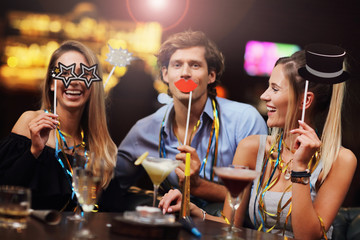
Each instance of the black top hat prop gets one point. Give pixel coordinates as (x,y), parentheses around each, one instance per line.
(324,64)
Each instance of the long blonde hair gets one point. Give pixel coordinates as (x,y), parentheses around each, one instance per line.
(93,121)
(325,113)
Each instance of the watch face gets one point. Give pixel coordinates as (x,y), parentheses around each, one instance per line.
(302,180)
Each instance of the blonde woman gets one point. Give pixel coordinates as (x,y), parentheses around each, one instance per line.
(305,172)
(28,156)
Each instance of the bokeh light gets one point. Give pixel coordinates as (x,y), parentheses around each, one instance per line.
(168,13)
(158,4)
(35,36)
(260,57)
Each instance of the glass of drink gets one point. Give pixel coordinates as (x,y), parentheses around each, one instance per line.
(79,161)
(158,169)
(14,207)
(235,178)
(88,187)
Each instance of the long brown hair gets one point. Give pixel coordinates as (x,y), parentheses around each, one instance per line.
(93,121)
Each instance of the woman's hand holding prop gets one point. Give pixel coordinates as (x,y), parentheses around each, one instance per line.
(306,144)
(40,128)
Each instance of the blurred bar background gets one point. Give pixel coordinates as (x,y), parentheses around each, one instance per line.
(30,30)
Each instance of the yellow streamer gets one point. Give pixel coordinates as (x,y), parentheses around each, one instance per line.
(323,228)
(225,218)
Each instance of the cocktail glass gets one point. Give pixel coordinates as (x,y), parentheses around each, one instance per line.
(158,169)
(79,161)
(235,178)
(88,190)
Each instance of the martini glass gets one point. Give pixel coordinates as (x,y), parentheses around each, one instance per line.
(235,178)
(158,169)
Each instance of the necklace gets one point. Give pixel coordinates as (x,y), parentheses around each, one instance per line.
(264,185)
(193,131)
(60,146)
(285,168)
(287,148)
(213,139)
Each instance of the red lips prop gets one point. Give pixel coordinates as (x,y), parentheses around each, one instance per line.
(185,85)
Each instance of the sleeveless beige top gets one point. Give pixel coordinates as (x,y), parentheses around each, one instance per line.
(271,199)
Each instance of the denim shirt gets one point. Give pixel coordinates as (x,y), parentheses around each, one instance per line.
(237,121)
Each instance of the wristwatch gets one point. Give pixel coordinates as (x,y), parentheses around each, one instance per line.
(302,180)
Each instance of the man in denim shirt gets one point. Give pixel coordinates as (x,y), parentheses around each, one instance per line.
(216,124)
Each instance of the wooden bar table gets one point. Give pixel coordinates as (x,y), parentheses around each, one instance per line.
(101,224)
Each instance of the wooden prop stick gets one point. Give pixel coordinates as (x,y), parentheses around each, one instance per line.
(304,102)
(55,87)
(188,118)
(111,73)
(186,86)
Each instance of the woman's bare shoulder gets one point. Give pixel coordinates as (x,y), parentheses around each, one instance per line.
(21,126)
(345,163)
(346,157)
(252,142)
(247,151)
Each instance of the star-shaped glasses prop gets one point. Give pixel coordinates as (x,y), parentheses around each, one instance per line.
(88,74)
(67,74)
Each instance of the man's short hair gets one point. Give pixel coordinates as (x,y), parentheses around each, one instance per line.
(187,39)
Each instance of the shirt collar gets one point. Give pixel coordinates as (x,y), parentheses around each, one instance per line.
(208,110)
(169,112)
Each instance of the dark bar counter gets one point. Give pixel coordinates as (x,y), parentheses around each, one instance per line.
(103,226)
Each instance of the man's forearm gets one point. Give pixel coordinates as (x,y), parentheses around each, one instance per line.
(209,191)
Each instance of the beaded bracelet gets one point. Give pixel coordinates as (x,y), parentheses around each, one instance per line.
(301,174)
